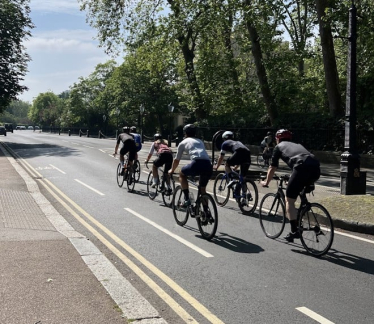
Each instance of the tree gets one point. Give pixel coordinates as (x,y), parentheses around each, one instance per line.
(15,26)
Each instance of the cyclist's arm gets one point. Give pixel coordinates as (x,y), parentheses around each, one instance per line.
(219,161)
(269,176)
(174,166)
(116,149)
(150,152)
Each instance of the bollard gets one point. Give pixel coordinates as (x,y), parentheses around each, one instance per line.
(69,132)
(80,133)
(88,133)
(59,132)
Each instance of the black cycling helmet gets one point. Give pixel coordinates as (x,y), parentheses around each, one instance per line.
(126,129)
(190,130)
(269,133)
(133,129)
(283,134)
(228,135)
(157,136)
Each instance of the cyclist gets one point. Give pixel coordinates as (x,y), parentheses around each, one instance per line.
(127,147)
(200,162)
(267,146)
(164,157)
(241,155)
(138,140)
(305,170)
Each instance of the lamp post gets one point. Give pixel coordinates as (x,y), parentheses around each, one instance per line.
(171,109)
(141,109)
(352,180)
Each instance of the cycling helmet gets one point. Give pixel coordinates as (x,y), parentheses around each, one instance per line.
(228,135)
(269,133)
(157,136)
(283,134)
(190,130)
(126,129)
(133,129)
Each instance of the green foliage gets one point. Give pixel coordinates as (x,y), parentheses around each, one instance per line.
(15,26)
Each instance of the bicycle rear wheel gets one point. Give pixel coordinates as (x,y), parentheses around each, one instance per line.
(249,204)
(207,218)
(220,190)
(180,213)
(167,196)
(272,215)
(317,229)
(137,170)
(119,176)
(261,161)
(152,192)
(130,179)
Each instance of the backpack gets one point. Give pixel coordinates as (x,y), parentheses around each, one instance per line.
(138,141)
(162,147)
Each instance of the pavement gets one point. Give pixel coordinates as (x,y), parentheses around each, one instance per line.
(50,273)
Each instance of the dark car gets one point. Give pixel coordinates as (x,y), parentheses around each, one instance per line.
(2,130)
(9,127)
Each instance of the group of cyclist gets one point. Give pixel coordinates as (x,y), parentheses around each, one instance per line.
(305,167)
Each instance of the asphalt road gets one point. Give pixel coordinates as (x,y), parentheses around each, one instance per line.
(240,277)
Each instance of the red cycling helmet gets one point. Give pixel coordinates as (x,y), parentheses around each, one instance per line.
(283,134)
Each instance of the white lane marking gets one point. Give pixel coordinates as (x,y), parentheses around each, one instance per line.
(354,237)
(57,169)
(178,238)
(75,143)
(101,150)
(88,146)
(313,315)
(82,183)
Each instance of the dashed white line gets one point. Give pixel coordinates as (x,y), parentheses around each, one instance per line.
(178,238)
(87,186)
(320,319)
(88,146)
(57,169)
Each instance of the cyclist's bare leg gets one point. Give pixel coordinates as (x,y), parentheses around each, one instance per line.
(291,213)
(122,160)
(155,173)
(227,168)
(183,181)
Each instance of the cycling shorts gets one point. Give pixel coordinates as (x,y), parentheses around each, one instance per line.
(300,178)
(242,158)
(164,159)
(200,167)
(129,147)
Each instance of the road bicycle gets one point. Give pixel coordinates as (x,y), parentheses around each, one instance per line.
(203,209)
(314,221)
(130,175)
(244,191)
(261,161)
(167,196)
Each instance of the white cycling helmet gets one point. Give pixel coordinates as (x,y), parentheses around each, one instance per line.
(228,135)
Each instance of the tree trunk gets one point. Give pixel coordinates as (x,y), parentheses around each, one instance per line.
(260,70)
(329,60)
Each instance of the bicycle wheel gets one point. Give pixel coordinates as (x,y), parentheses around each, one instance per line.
(317,229)
(137,170)
(207,217)
(180,213)
(261,161)
(220,191)
(152,192)
(167,197)
(130,179)
(272,215)
(119,176)
(248,205)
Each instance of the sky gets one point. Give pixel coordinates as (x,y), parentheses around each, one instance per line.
(62,47)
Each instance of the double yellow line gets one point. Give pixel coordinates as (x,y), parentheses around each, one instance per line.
(75,210)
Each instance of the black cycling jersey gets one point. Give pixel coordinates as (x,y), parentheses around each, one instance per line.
(123,137)
(232,146)
(293,154)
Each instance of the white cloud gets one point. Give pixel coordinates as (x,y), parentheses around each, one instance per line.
(38,44)
(58,6)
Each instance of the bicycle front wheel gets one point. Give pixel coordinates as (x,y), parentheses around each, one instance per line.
(248,205)
(272,215)
(120,177)
(167,196)
(137,170)
(317,229)
(261,161)
(152,192)
(207,217)
(220,190)
(179,211)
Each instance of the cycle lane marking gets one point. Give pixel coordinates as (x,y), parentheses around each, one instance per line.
(56,168)
(318,318)
(87,186)
(142,275)
(174,236)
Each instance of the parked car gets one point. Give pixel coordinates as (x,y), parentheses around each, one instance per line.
(36,128)
(9,127)
(21,127)
(30,127)
(2,130)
